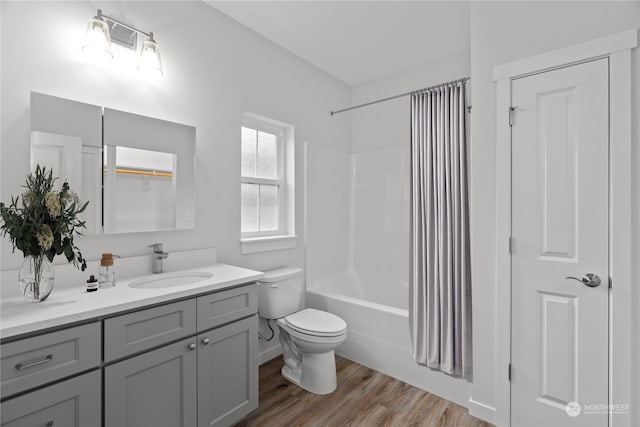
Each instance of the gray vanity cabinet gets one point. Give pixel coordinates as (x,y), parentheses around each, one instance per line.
(228,373)
(157,388)
(71,403)
(191,362)
(208,378)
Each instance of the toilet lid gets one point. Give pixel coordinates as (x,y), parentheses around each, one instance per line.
(315,322)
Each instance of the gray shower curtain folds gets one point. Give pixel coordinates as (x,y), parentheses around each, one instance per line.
(440,263)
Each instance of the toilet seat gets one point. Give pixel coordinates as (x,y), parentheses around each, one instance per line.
(316,323)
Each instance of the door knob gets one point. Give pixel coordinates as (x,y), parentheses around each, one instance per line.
(591,280)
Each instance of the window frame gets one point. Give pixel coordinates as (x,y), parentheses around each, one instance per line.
(281,182)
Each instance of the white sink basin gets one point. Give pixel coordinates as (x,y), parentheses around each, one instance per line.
(170,280)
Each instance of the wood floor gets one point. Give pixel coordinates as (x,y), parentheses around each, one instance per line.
(364,398)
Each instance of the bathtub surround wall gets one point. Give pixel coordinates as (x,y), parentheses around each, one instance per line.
(327,196)
(369,219)
(214,69)
(379,225)
(379,214)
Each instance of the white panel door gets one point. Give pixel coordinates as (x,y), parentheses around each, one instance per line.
(559,230)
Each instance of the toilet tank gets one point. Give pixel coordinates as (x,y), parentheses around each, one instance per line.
(281,292)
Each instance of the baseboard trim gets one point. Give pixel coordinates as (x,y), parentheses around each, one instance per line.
(480,410)
(268,354)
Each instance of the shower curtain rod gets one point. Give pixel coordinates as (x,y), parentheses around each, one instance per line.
(464,79)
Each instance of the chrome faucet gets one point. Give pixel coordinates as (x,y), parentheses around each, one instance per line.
(158,256)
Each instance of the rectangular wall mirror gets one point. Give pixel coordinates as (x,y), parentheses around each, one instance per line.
(137,172)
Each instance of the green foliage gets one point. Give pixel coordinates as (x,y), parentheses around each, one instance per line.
(42,221)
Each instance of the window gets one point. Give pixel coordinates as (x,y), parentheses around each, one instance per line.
(263,181)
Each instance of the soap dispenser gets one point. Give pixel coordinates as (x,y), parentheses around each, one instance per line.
(107,273)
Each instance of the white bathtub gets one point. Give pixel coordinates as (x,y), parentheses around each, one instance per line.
(378,336)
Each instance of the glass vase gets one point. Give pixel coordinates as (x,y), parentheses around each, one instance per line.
(36,278)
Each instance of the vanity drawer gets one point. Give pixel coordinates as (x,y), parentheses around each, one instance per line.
(226,306)
(71,403)
(34,361)
(142,330)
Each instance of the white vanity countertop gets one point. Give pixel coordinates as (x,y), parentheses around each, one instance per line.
(71,305)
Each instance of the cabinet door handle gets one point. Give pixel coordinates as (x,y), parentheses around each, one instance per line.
(192,346)
(46,359)
(49,424)
(205,341)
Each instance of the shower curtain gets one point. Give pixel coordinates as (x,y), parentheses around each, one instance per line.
(440,275)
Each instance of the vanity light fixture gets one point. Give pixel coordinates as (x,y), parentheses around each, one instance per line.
(102,30)
(150,58)
(97,39)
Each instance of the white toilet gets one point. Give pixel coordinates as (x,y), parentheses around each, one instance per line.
(308,336)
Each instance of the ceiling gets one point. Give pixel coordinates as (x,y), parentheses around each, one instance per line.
(358,41)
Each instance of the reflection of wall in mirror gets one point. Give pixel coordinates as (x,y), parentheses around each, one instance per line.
(145,198)
(135,144)
(145,203)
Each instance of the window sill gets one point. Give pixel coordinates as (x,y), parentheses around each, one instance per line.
(269,243)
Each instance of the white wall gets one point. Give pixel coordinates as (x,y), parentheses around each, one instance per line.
(144,202)
(502,32)
(215,69)
(386,125)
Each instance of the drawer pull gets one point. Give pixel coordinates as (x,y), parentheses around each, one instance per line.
(49,424)
(46,359)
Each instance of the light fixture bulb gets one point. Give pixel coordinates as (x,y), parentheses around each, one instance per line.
(150,63)
(97,39)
